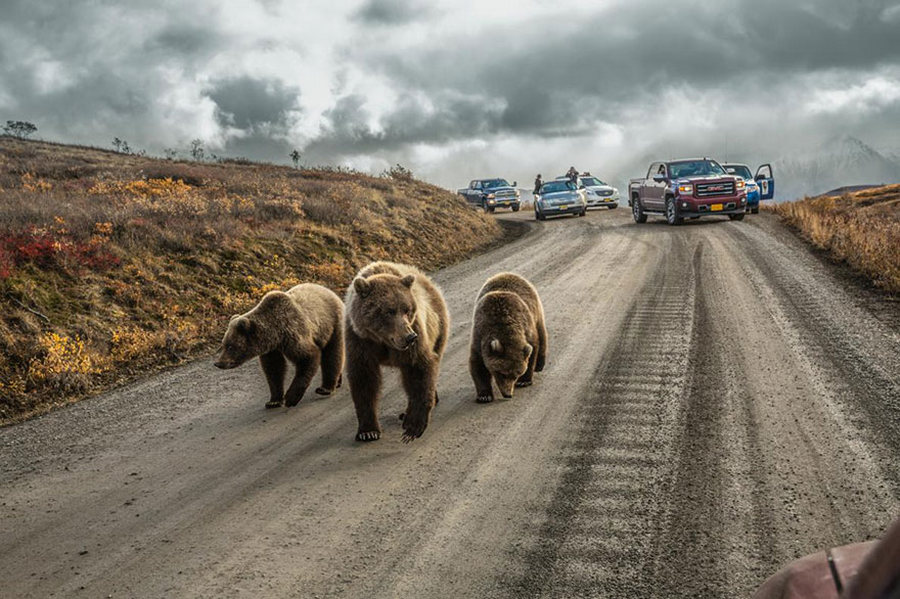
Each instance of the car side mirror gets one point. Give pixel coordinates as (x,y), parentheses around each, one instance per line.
(515,183)
(659,178)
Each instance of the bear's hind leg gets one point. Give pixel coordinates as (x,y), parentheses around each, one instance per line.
(332,364)
(274,365)
(306,369)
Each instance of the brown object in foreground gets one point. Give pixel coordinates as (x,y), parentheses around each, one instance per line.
(868,570)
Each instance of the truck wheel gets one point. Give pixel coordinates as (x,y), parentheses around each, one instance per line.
(672,212)
(583,212)
(754,211)
(637,211)
(736,216)
(515,207)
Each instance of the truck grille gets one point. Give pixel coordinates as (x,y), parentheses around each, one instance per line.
(506,194)
(708,190)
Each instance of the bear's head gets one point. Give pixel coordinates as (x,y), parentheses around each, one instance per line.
(385,309)
(507,360)
(241,342)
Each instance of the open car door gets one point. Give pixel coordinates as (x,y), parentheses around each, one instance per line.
(766,182)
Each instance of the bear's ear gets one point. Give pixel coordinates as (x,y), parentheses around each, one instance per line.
(408,280)
(496,346)
(362,286)
(246,326)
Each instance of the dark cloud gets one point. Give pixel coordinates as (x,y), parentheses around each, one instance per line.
(391,12)
(249,103)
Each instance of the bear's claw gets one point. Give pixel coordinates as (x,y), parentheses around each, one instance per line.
(323,391)
(484,398)
(273,403)
(368,436)
(523,383)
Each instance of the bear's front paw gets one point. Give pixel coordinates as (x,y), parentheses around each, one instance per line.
(273,403)
(323,391)
(366,436)
(522,383)
(485,398)
(413,428)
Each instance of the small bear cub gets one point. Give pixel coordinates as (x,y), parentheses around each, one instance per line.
(509,337)
(303,325)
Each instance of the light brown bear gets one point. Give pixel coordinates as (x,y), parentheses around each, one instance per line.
(509,337)
(395,317)
(302,325)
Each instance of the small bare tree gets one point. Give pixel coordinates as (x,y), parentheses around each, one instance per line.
(295,158)
(20,129)
(170,153)
(197,149)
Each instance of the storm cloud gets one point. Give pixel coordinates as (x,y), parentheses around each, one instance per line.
(443,86)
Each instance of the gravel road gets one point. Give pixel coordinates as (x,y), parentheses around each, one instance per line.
(717,401)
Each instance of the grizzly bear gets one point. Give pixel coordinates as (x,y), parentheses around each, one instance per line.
(509,337)
(302,325)
(395,317)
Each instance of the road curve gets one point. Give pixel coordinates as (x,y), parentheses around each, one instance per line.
(716,402)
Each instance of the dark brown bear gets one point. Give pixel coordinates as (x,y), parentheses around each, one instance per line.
(302,325)
(509,337)
(395,317)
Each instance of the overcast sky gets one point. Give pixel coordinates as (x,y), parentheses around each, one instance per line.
(457,89)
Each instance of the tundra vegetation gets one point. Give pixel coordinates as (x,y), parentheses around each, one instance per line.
(861,229)
(116,264)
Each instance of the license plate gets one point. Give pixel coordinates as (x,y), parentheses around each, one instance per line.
(563,206)
(715,207)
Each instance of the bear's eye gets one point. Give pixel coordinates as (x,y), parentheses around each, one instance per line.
(392,312)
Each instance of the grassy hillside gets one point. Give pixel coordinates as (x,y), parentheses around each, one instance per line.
(860,228)
(112,265)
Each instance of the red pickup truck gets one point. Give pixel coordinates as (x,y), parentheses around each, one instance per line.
(692,188)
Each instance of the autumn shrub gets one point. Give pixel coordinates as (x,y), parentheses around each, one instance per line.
(861,229)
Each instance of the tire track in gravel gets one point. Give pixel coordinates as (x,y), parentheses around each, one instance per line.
(837,336)
(599,535)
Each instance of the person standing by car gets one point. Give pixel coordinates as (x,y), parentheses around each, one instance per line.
(537,184)
(572,174)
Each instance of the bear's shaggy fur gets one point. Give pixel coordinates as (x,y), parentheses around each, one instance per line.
(302,325)
(509,337)
(395,317)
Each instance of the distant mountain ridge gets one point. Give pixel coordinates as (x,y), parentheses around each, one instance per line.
(841,162)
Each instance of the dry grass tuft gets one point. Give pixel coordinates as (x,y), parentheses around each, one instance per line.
(112,265)
(861,229)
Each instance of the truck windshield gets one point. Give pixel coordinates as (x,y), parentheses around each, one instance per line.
(740,170)
(489,183)
(694,168)
(556,186)
(591,181)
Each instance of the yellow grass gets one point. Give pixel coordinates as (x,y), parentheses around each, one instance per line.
(112,265)
(860,228)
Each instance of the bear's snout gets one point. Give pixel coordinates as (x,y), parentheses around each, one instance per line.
(411,338)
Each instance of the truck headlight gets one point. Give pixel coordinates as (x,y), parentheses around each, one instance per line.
(741,184)
(490,196)
(686,189)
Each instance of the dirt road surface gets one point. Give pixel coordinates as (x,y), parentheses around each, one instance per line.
(716,403)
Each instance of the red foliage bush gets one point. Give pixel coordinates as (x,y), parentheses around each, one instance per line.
(48,250)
